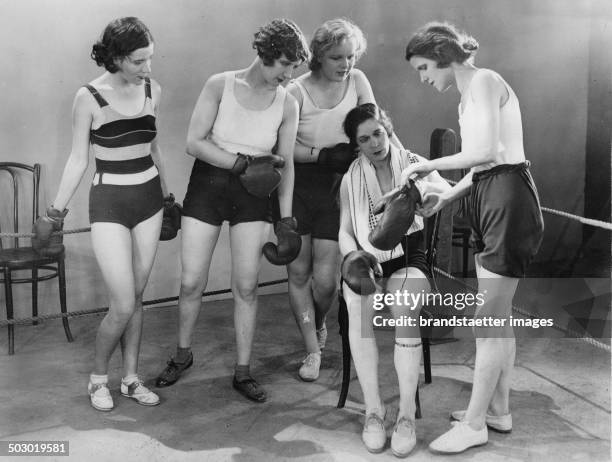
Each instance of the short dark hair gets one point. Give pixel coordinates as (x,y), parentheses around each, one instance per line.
(332,33)
(281,37)
(359,115)
(443,43)
(119,39)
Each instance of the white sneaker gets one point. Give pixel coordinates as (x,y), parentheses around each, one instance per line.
(137,391)
(498,423)
(459,438)
(374,435)
(100,396)
(403,438)
(309,372)
(322,336)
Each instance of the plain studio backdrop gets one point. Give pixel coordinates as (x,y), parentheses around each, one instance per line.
(554,53)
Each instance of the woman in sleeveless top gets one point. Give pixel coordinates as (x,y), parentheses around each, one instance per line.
(114,116)
(325,95)
(506,221)
(240,115)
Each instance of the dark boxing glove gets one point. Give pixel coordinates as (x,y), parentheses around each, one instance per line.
(398,214)
(259,175)
(338,158)
(289,243)
(44,241)
(171,223)
(360,269)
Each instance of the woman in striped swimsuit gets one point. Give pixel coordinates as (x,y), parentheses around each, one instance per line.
(114,115)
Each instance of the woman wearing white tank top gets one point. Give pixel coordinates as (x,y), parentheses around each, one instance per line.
(505,216)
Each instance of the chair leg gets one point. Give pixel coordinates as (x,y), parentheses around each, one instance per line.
(34,295)
(426,359)
(346,351)
(466,255)
(8,292)
(62,293)
(417,414)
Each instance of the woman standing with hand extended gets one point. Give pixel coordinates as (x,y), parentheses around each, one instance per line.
(115,116)
(506,221)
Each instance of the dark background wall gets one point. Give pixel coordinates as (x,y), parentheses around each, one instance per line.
(543,48)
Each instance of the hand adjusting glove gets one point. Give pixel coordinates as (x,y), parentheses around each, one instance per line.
(44,242)
(171,223)
(289,243)
(398,214)
(338,158)
(259,175)
(360,269)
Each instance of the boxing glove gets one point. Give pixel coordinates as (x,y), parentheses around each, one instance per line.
(337,158)
(397,215)
(171,222)
(289,243)
(259,175)
(360,269)
(46,242)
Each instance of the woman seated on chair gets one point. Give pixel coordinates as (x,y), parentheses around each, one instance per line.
(374,173)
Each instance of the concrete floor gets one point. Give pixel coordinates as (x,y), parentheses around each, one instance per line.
(560,399)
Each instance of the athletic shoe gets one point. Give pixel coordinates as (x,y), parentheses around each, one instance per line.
(100,396)
(309,372)
(138,392)
(459,438)
(172,372)
(374,436)
(250,389)
(403,438)
(498,423)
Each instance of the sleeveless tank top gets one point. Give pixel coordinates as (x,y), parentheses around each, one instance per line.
(322,128)
(248,131)
(131,134)
(510,144)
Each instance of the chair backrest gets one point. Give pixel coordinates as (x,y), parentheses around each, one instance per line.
(443,142)
(15,173)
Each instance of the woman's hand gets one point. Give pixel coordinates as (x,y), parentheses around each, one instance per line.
(432,203)
(421,169)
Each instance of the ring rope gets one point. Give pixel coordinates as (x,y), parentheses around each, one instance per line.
(524,312)
(74,314)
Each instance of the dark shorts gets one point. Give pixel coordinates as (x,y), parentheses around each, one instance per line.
(414,256)
(315,201)
(507,224)
(127,205)
(214,195)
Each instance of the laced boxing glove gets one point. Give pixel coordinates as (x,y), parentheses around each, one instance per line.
(289,243)
(338,158)
(398,214)
(44,241)
(259,175)
(171,223)
(360,269)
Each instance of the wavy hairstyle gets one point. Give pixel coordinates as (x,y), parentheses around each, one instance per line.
(119,39)
(442,42)
(331,33)
(359,114)
(281,37)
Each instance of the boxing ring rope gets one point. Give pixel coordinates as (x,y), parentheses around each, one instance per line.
(583,220)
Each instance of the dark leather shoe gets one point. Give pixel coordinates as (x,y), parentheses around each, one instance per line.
(250,389)
(172,372)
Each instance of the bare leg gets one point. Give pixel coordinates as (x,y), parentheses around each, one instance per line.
(198,243)
(246,239)
(325,277)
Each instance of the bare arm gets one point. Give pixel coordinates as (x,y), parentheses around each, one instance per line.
(82,117)
(156,153)
(285,145)
(346,235)
(202,121)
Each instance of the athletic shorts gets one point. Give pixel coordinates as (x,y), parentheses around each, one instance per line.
(125,204)
(215,195)
(315,201)
(507,224)
(414,256)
